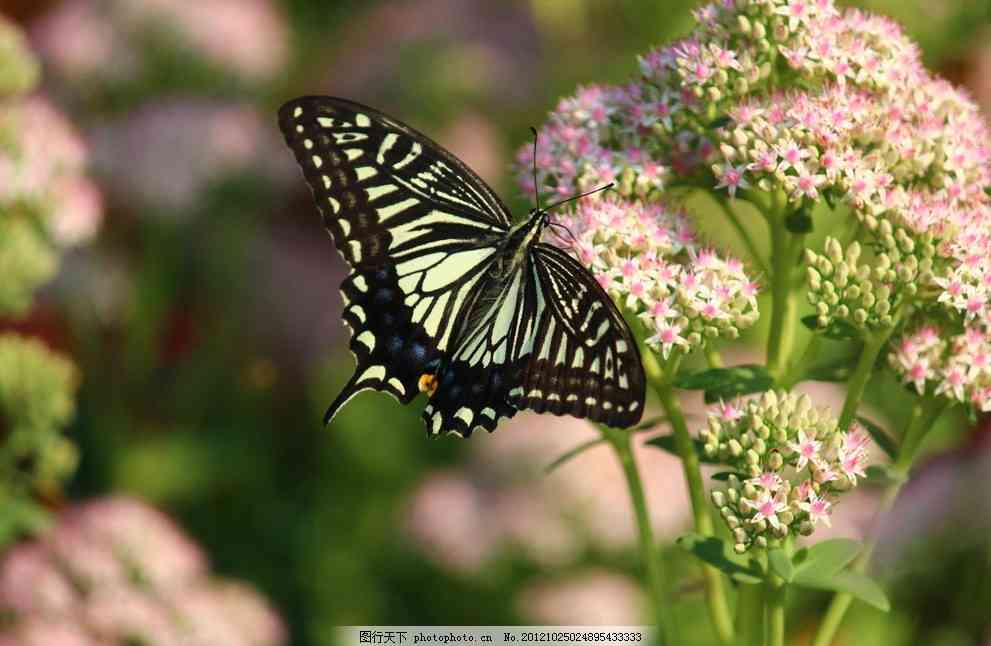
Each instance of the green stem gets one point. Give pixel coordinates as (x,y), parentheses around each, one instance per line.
(785,248)
(712,356)
(798,368)
(924,416)
(653,563)
(745,236)
(750,615)
(776,593)
(715,593)
(858,380)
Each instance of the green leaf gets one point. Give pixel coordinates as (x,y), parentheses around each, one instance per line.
(799,221)
(825,559)
(780,564)
(880,436)
(837,330)
(831,197)
(723,476)
(721,122)
(667,443)
(854,584)
(726,383)
(565,457)
(837,371)
(719,554)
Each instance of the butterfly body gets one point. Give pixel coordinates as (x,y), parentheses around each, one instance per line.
(447,295)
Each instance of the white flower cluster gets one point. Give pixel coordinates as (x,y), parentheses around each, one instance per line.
(867,295)
(790,464)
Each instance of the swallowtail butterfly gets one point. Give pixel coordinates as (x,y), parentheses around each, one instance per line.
(447,295)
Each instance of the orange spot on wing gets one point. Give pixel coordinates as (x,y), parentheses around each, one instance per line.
(428,384)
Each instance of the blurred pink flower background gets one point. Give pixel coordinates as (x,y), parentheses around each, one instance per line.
(116,571)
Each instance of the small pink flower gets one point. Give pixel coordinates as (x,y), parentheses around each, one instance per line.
(766,507)
(807,184)
(817,508)
(807,449)
(729,411)
(853,463)
(804,488)
(823,472)
(733,179)
(668,337)
(768,481)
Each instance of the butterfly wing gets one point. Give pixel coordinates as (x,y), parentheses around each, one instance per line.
(417,226)
(489,356)
(584,361)
(547,338)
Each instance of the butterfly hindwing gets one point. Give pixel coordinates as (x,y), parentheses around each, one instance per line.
(486,363)
(584,361)
(548,339)
(391,351)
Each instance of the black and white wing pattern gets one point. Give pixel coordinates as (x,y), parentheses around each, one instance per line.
(494,340)
(445,294)
(584,360)
(547,338)
(417,226)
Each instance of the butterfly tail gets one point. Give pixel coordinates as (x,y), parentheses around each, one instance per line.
(350,390)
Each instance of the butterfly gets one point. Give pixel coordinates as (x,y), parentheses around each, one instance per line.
(449,296)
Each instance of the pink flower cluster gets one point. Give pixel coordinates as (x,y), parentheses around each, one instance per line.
(789,103)
(955,367)
(42,170)
(587,143)
(115,571)
(790,463)
(645,256)
(168,153)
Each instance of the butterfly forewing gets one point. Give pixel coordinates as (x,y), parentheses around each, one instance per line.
(416,225)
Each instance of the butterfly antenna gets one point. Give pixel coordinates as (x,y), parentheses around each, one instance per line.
(571,234)
(536,188)
(580,195)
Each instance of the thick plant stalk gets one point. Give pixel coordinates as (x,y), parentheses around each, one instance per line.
(776,594)
(750,615)
(924,416)
(715,593)
(660,600)
(861,374)
(785,248)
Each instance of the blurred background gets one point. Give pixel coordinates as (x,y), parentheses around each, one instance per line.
(187,312)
